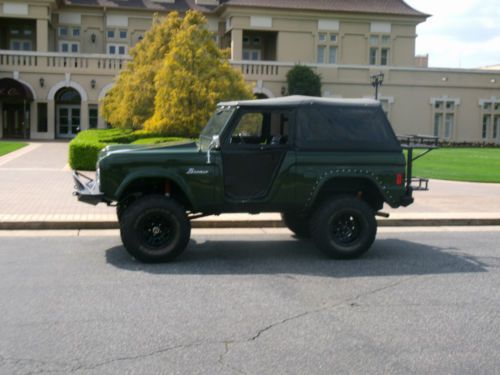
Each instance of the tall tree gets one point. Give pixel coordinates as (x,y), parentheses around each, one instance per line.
(176,77)
(193,77)
(130,102)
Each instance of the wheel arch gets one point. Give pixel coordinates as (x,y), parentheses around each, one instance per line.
(363,187)
(154,182)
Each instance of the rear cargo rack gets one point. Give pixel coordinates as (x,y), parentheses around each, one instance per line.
(409,143)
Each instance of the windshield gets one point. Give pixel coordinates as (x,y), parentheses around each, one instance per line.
(215,126)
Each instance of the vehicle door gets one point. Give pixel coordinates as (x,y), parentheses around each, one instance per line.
(253,152)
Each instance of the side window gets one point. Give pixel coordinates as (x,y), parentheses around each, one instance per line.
(345,128)
(262,128)
(249,129)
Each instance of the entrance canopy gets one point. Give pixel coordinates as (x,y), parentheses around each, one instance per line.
(13,90)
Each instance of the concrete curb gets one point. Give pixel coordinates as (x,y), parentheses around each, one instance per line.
(218,224)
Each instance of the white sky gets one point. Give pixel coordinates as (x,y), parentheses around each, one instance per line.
(460,33)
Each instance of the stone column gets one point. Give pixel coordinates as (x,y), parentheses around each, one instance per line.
(51,119)
(42,35)
(236,45)
(84,115)
(101,123)
(33,119)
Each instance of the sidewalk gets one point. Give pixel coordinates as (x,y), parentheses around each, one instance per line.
(36,193)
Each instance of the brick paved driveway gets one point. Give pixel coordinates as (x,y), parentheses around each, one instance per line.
(36,181)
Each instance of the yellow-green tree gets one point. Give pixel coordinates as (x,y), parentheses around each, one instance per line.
(176,77)
(130,102)
(193,77)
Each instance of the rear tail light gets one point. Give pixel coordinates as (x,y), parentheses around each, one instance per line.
(399,179)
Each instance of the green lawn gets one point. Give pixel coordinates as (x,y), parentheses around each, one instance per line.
(6,146)
(460,164)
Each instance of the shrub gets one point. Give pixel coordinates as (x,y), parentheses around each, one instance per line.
(84,148)
(83,154)
(302,80)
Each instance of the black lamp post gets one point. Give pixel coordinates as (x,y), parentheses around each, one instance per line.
(377,80)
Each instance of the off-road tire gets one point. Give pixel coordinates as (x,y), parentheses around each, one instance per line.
(343,227)
(155,229)
(298,224)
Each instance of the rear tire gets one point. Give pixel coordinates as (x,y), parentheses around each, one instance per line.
(344,227)
(155,229)
(297,223)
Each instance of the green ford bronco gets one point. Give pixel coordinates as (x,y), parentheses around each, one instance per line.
(327,165)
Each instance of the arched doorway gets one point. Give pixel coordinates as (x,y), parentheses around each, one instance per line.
(15,98)
(68,112)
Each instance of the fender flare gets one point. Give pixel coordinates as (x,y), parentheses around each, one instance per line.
(340,173)
(155,173)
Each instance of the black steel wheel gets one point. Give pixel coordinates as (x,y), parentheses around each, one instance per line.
(155,229)
(297,223)
(344,227)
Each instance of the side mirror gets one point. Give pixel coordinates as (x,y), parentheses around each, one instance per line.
(214,145)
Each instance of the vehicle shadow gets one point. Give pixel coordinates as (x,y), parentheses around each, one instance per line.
(387,257)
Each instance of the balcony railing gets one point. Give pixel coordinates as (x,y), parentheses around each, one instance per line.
(56,61)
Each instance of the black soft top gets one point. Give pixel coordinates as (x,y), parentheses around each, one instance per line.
(324,124)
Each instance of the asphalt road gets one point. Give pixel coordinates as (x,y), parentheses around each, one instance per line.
(249,302)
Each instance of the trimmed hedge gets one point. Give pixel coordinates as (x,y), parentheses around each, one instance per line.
(85,147)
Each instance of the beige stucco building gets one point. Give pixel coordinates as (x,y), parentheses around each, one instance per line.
(59,58)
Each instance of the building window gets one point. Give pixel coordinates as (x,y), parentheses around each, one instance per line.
(111,34)
(332,57)
(486,127)
(379,52)
(438,124)
(123,34)
(93,116)
(321,54)
(448,125)
(117,49)
(42,118)
(75,32)
(490,130)
(69,47)
(327,48)
(252,54)
(496,128)
(63,31)
(444,117)
(21,45)
(384,56)
(373,56)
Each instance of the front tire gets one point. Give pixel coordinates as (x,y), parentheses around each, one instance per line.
(344,227)
(155,229)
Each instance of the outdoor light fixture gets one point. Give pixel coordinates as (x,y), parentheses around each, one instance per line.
(444,79)
(92,83)
(42,82)
(283,90)
(93,37)
(377,80)
(493,80)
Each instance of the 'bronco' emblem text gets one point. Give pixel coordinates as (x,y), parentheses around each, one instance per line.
(196,171)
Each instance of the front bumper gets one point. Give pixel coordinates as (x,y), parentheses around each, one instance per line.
(86,189)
